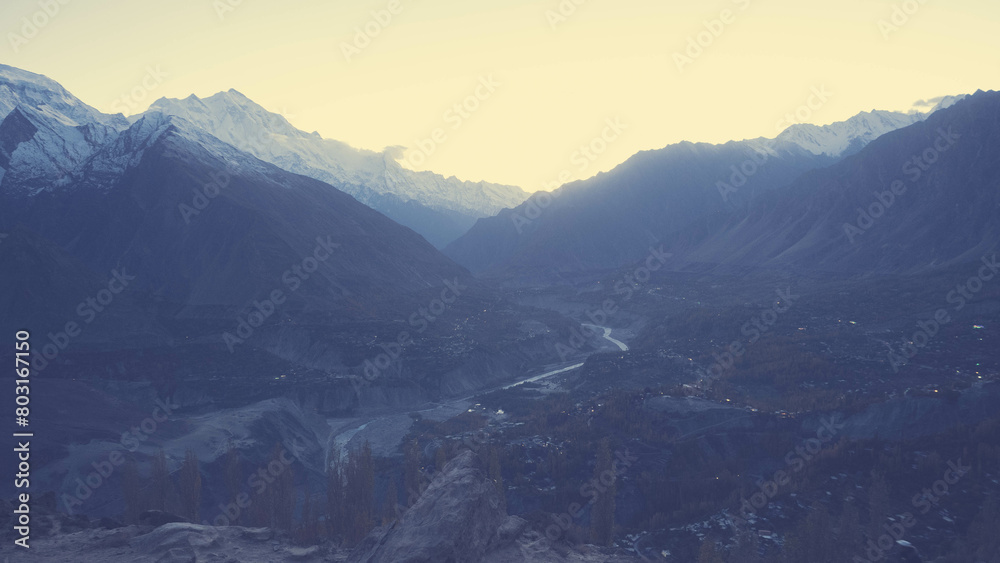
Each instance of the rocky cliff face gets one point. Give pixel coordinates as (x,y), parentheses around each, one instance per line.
(456,519)
(461,518)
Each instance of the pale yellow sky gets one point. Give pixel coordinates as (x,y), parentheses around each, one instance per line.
(555,82)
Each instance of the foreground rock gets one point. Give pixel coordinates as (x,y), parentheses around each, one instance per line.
(170,543)
(460,518)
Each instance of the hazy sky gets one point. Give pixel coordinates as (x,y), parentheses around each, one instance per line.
(557,80)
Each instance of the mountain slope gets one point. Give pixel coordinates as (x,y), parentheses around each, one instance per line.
(615,217)
(673,193)
(237,270)
(152,210)
(922,197)
(439,208)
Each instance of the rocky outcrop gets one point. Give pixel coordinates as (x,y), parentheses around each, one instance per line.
(460,518)
(172,543)
(456,519)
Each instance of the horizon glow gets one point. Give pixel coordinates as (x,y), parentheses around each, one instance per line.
(544,77)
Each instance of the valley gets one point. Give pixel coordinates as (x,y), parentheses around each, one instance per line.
(252,338)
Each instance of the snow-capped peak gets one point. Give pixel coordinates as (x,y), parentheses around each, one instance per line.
(844,137)
(47,132)
(47,97)
(226,113)
(850,136)
(939,103)
(241,122)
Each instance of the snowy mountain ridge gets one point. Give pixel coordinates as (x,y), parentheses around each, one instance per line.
(237,120)
(47,136)
(47,97)
(847,137)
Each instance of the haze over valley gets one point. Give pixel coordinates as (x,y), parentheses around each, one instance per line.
(238,339)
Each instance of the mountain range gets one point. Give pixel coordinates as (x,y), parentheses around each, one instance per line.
(735,203)
(681,193)
(211,238)
(268,290)
(917,199)
(439,208)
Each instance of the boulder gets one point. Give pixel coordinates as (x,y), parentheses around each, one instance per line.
(157,518)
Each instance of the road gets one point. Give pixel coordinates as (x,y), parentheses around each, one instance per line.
(540,377)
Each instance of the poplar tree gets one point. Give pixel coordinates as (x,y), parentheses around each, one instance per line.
(411,473)
(233,474)
(190,487)
(131,491)
(496,475)
(360,492)
(283,493)
(602,514)
(335,500)
(159,482)
(391,509)
(440,458)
